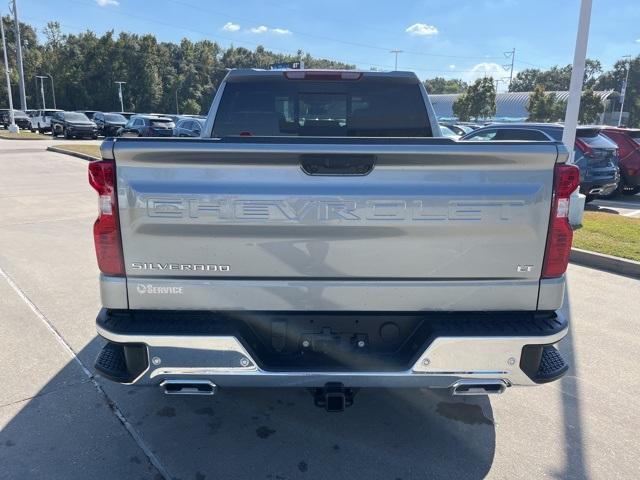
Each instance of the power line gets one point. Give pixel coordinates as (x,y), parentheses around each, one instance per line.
(332,39)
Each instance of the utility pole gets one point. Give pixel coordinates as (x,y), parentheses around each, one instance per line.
(23,96)
(120,95)
(12,127)
(623,90)
(42,77)
(396,51)
(511,54)
(177,109)
(53,91)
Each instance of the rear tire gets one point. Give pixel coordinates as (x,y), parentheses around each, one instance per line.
(66,134)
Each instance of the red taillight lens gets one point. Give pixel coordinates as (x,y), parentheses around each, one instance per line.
(106,230)
(584,148)
(566,180)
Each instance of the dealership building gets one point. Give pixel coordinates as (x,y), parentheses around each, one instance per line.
(512,106)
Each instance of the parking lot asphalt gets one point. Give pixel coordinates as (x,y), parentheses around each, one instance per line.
(628,206)
(59,421)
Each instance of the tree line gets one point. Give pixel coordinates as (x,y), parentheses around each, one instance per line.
(159,75)
(478,99)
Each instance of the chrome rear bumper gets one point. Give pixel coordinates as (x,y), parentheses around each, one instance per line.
(225,362)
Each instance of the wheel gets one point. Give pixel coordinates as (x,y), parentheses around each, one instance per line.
(66,134)
(40,130)
(589,198)
(95,137)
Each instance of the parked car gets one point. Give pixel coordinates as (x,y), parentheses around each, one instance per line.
(332,263)
(126,115)
(21,118)
(88,113)
(628,141)
(109,123)
(188,127)
(447,132)
(73,124)
(41,120)
(457,128)
(147,126)
(595,155)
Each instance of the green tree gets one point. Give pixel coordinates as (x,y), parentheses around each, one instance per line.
(554,79)
(479,100)
(443,85)
(590,107)
(613,79)
(85,66)
(461,108)
(545,106)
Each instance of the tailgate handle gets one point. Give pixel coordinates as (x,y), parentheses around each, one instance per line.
(342,164)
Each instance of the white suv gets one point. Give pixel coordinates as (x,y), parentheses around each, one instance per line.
(41,120)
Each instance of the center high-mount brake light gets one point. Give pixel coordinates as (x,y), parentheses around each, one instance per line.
(106,229)
(566,179)
(322,75)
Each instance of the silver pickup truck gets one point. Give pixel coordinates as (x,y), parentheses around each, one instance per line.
(322,234)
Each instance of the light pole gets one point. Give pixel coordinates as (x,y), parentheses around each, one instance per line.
(12,127)
(120,95)
(42,77)
(177,110)
(396,51)
(23,97)
(623,90)
(53,91)
(576,203)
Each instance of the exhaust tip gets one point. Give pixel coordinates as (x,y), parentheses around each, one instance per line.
(189,387)
(479,387)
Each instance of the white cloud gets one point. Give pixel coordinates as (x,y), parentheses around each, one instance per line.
(281,31)
(231,27)
(264,29)
(106,3)
(452,67)
(422,30)
(637,40)
(260,29)
(486,69)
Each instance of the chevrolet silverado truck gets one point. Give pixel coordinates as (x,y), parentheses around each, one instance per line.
(322,234)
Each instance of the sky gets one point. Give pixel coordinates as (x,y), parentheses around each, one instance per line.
(463,39)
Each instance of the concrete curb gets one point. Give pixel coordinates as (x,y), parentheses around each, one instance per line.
(84,156)
(605,262)
(25,139)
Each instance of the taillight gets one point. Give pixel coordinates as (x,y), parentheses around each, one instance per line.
(584,148)
(566,179)
(106,229)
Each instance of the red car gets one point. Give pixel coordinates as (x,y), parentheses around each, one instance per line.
(628,141)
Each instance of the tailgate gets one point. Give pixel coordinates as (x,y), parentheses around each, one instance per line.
(467,220)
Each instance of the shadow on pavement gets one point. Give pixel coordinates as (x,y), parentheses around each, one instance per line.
(245,433)
(574,438)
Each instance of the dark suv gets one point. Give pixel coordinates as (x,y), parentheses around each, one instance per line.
(147,126)
(595,155)
(109,123)
(21,119)
(72,124)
